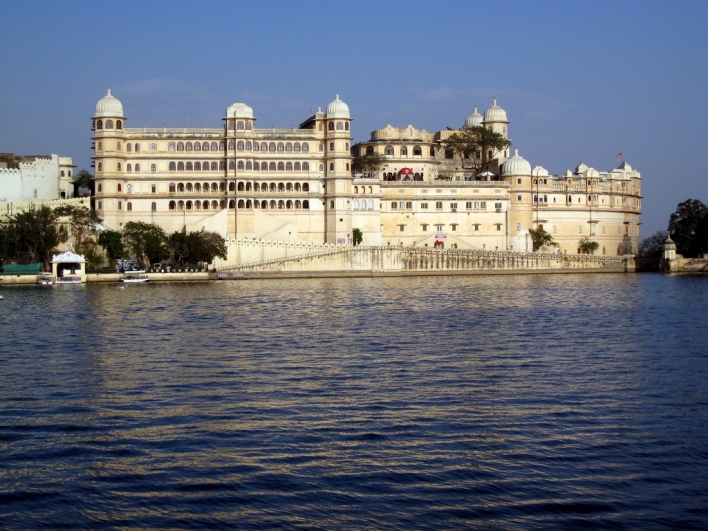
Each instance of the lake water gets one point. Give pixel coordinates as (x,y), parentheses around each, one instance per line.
(485,402)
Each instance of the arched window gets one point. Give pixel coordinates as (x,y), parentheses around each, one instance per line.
(153,206)
(356,204)
(129,188)
(389,151)
(188,205)
(305,187)
(370,150)
(281,166)
(305,147)
(180,166)
(197,187)
(130,205)
(371,204)
(281,146)
(297,166)
(248,187)
(190,166)
(289,166)
(331,126)
(171,146)
(232,165)
(256,146)
(100,187)
(153,188)
(340,126)
(273,205)
(305,166)
(271,166)
(417,152)
(281,187)
(232,145)
(109,124)
(214,188)
(153,147)
(331,166)
(205,165)
(264,146)
(289,146)
(271,146)
(128,146)
(248,145)
(222,146)
(331,146)
(173,205)
(137,148)
(197,146)
(272,187)
(248,126)
(129,167)
(394,205)
(231,125)
(205,205)
(306,204)
(221,166)
(241,165)
(249,165)
(120,188)
(239,126)
(240,145)
(256,166)
(100,166)
(346,126)
(264,205)
(264,166)
(241,203)
(240,187)
(198,166)
(153,167)
(188,146)
(173,166)
(214,146)
(137,167)
(180,146)
(205,146)
(296,147)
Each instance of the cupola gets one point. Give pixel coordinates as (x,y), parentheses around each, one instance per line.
(239,110)
(109,107)
(495,113)
(516,166)
(474,119)
(338,109)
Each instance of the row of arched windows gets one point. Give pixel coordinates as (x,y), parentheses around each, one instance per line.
(269,166)
(129,167)
(242,204)
(109,124)
(272,187)
(197,166)
(240,126)
(363,204)
(341,126)
(196,146)
(197,187)
(272,146)
(363,189)
(403,152)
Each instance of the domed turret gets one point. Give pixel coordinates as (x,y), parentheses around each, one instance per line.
(516,166)
(582,168)
(108,106)
(495,113)
(539,171)
(239,110)
(338,109)
(474,119)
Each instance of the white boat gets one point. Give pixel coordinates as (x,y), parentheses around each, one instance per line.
(135,277)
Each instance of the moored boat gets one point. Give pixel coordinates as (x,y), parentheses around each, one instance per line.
(136,276)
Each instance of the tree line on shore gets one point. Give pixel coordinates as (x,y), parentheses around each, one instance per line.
(33,236)
(688,228)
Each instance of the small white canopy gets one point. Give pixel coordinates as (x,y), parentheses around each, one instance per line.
(69,256)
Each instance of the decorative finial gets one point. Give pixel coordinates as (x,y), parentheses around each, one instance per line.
(516,151)
(109,92)
(337,96)
(475,109)
(495,102)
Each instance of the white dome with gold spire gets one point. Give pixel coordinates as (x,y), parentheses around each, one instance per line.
(109,107)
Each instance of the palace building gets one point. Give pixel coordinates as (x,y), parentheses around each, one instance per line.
(297,184)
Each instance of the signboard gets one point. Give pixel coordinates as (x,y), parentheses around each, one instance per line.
(441,237)
(341,241)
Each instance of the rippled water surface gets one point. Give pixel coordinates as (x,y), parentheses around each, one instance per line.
(486,402)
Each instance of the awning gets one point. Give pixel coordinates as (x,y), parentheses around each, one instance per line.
(406,171)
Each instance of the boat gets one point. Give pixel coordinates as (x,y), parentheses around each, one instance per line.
(135,276)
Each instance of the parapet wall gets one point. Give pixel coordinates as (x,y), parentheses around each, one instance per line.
(10,209)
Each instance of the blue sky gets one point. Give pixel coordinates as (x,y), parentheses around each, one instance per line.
(580,81)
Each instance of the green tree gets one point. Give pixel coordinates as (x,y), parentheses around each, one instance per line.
(36,233)
(368,163)
(541,238)
(145,241)
(688,227)
(178,246)
(587,246)
(82,227)
(204,246)
(653,246)
(472,144)
(112,242)
(357,236)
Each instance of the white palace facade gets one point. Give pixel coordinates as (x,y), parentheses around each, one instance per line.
(297,184)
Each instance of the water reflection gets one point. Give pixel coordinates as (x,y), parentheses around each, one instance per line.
(529,402)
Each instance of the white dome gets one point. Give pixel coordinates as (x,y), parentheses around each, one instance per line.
(539,171)
(338,109)
(582,168)
(474,119)
(495,113)
(239,110)
(516,165)
(108,106)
